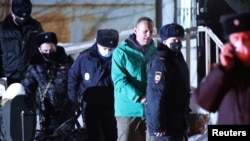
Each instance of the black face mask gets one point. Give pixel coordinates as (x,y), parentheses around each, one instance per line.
(49,56)
(176,47)
(20,21)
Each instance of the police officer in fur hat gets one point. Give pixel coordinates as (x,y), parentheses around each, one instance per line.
(48,73)
(226,87)
(168,87)
(17,32)
(90,81)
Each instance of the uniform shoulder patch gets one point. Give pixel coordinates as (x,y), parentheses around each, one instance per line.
(158,75)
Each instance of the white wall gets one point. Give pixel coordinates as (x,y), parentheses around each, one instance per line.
(167,11)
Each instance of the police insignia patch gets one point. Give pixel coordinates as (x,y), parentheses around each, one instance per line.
(158,76)
(86,76)
(236,22)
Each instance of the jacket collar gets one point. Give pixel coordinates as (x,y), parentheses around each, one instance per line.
(133,43)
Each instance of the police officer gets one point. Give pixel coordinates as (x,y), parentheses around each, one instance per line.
(90,80)
(48,73)
(168,87)
(17,35)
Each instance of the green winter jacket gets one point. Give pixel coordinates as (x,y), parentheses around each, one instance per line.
(129,76)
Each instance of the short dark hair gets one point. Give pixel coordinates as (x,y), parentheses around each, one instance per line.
(144,19)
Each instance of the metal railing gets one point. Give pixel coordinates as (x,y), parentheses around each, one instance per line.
(74,49)
(191,34)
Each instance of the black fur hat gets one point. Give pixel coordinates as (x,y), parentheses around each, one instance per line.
(235,22)
(46,37)
(171,30)
(21,8)
(107,37)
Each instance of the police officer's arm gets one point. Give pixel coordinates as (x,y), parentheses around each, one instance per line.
(29,82)
(157,75)
(74,80)
(30,85)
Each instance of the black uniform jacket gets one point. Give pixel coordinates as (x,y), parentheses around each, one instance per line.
(168,91)
(90,79)
(38,76)
(17,46)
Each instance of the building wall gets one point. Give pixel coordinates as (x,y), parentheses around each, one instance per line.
(78,20)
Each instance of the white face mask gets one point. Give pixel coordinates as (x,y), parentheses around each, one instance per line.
(105,53)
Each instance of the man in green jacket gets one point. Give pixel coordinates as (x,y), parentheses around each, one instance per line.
(129,76)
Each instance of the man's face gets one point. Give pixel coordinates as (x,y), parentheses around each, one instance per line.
(48,51)
(144,32)
(47,48)
(105,51)
(170,40)
(241,42)
(18,20)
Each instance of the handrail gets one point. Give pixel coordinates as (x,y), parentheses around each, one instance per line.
(218,44)
(211,35)
(75,48)
(191,34)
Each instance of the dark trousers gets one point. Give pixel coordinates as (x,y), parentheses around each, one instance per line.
(100,124)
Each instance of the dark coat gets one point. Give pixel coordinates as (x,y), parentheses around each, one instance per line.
(37,77)
(90,83)
(226,92)
(17,46)
(168,93)
(90,79)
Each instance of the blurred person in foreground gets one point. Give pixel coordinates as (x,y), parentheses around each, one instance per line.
(17,38)
(46,80)
(129,76)
(90,85)
(226,88)
(168,87)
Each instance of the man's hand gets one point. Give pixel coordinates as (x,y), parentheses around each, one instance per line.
(143,100)
(227,56)
(160,134)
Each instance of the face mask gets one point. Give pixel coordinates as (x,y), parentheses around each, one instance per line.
(19,21)
(105,53)
(49,56)
(176,46)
